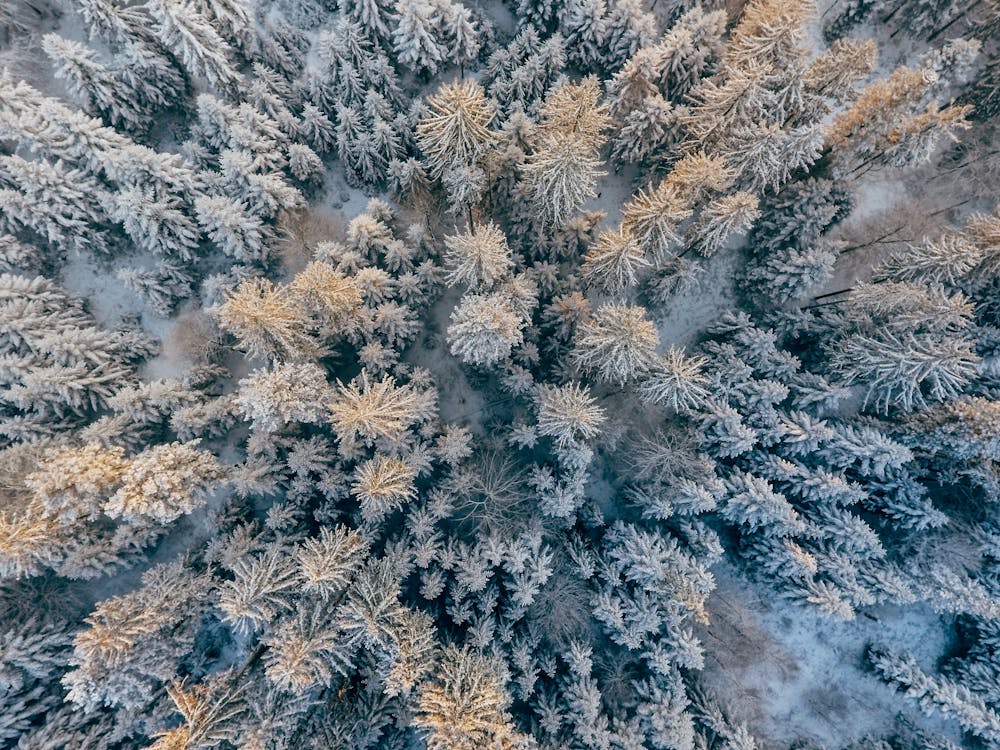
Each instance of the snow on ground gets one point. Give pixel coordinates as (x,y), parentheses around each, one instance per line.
(501,16)
(459,401)
(183,337)
(108,299)
(794,675)
(870,231)
(685,317)
(614,190)
(348,201)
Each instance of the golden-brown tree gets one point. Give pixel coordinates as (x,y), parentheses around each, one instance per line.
(455,131)
(378,409)
(614,261)
(464,706)
(268,322)
(561,172)
(382,484)
(332,298)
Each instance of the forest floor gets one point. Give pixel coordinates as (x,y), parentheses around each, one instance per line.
(795,676)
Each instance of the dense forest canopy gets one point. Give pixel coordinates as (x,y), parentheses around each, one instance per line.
(499,374)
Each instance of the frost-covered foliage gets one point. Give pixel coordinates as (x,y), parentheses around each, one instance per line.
(60,368)
(457,468)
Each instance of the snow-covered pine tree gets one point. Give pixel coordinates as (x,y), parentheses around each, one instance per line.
(790,252)
(59,205)
(374,16)
(976,669)
(677,381)
(382,484)
(160,227)
(332,299)
(60,367)
(223,126)
(193,39)
(233,19)
(765,156)
(944,261)
(236,232)
(951,699)
(523,71)
(464,705)
(17,256)
(286,394)
(647,132)
(652,215)
(904,343)
(282,46)
(894,121)
(752,503)
(905,370)
(560,176)
(722,219)
(617,343)
(584,26)
(98,86)
(836,72)
(634,82)
(689,51)
(479,258)
(461,34)
(614,261)
(162,287)
(165,482)
(825,471)
(455,131)
(54,521)
(264,191)
(415,37)
(315,128)
(113,23)
(268,321)
(133,643)
(568,413)
(628,26)
(767,105)
(34,654)
(561,172)
(381,409)
(485,328)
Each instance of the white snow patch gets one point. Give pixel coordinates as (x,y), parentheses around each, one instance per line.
(792,674)
(459,403)
(876,195)
(686,315)
(108,299)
